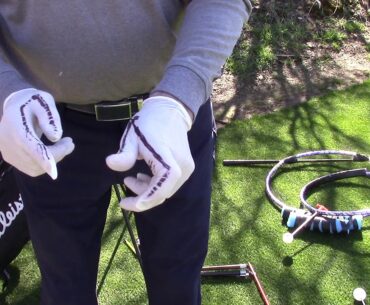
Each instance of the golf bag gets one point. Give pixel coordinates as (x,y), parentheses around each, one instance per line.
(13,226)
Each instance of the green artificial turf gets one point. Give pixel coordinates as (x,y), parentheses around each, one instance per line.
(316,268)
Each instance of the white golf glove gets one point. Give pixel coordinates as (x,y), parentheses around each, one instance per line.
(157,134)
(27,115)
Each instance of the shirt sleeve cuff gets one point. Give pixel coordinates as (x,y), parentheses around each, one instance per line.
(184,85)
(10,82)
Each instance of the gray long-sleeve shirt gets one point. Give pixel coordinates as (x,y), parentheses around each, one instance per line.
(88,51)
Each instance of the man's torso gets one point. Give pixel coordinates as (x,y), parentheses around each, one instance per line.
(87,51)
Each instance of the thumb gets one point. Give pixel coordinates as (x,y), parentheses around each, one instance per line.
(139,184)
(62,148)
(47,116)
(127,155)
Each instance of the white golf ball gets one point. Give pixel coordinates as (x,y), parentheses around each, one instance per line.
(288,238)
(359,294)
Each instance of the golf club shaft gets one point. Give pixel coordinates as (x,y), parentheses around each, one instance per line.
(260,289)
(307,221)
(232,273)
(130,246)
(225,267)
(272,161)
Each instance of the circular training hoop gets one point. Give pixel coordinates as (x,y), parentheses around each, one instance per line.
(294,159)
(307,189)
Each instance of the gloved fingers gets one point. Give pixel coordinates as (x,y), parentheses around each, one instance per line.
(157,134)
(152,194)
(32,172)
(47,115)
(187,167)
(183,156)
(180,165)
(27,114)
(178,184)
(19,158)
(163,184)
(127,154)
(58,151)
(40,154)
(137,204)
(143,177)
(61,148)
(139,184)
(38,131)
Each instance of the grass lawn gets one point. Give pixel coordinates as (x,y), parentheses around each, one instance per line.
(316,268)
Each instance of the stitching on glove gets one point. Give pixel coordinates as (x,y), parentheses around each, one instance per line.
(40,145)
(123,140)
(152,150)
(46,107)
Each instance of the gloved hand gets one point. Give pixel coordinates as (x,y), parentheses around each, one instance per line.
(27,114)
(157,134)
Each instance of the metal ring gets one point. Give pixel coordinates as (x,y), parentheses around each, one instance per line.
(293,159)
(306,190)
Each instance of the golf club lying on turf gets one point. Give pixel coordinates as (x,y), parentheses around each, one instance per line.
(238,270)
(258,284)
(355,158)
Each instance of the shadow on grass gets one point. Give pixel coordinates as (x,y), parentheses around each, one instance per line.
(109,265)
(245,226)
(276,40)
(29,298)
(116,221)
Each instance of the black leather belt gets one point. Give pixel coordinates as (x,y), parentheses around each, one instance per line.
(121,110)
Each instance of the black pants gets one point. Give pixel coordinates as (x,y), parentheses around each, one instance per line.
(66,217)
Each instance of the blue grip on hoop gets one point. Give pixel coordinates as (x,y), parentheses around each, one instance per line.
(339,224)
(291,220)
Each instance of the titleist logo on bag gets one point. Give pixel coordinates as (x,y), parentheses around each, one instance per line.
(7,217)
(13,224)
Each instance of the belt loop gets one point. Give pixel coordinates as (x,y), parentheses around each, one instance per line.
(140,102)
